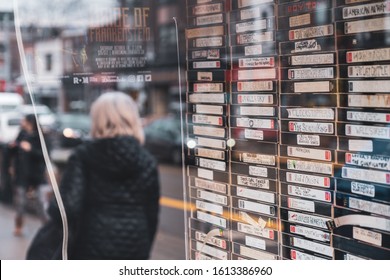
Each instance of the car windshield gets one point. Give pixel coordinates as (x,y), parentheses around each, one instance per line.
(77,121)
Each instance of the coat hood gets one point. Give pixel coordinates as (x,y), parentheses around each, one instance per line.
(117,157)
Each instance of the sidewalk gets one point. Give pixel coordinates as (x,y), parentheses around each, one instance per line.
(166,247)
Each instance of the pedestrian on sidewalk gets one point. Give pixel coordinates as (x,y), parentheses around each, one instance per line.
(110,190)
(28,170)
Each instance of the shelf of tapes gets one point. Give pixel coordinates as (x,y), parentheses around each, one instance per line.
(363,177)
(308,105)
(207,124)
(254,128)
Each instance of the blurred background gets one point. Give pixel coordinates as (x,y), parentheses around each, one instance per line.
(64,81)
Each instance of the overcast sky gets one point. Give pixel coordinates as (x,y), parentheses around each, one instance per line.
(6,5)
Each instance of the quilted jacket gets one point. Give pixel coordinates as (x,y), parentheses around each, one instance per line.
(110,191)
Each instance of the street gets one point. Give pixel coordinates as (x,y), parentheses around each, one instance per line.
(169,243)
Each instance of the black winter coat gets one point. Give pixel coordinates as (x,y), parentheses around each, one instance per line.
(110,191)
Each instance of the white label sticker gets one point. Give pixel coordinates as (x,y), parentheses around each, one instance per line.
(312,180)
(202,237)
(250,13)
(256,74)
(306,46)
(313,246)
(368,206)
(308,140)
(209,109)
(314,59)
(208,185)
(253,182)
(249,38)
(212,197)
(255,99)
(317,87)
(212,251)
(369,101)
(311,32)
(256,62)
(350,257)
(207,9)
(309,153)
(368,117)
(363,189)
(209,42)
(205,119)
(257,195)
(206,174)
(255,123)
(208,87)
(300,20)
(207,98)
(254,134)
(367,236)
(361,146)
(251,25)
(206,64)
(310,166)
(257,111)
(369,161)
(311,233)
(201,257)
(205,76)
(307,219)
(311,73)
(205,206)
(246,3)
(297,255)
(258,159)
(253,50)
(211,219)
(381,86)
(367,25)
(211,143)
(367,131)
(369,71)
(208,54)
(205,31)
(311,193)
(209,131)
(255,86)
(300,204)
(213,19)
(212,164)
(256,207)
(255,242)
(258,171)
(311,113)
(366,10)
(209,153)
(366,175)
(250,229)
(256,254)
(372,55)
(311,127)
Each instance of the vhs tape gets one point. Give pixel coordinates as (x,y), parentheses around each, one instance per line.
(253,253)
(369,116)
(301,255)
(256,171)
(373,191)
(316,45)
(255,242)
(307,192)
(363,204)
(255,134)
(308,113)
(255,207)
(251,86)
(258,195)
(208,76)
(305,20)
(207,54)
(212,175)
(365,160)
(312,246)
(207,109)
(308,140)
(322,128)
(308,59)
(304,219)
(365,71)
(206,20)
(303,205)
(306,179)
(254,181)
(264,99)
(306,166)
(256,111)
(307,153)
(253,25)
(263,148)
(239,4)
(200,130)
(200,183)
(245,122)
(365,100)
(307,232)
(262,49)
(254,230)
(359,42)
(266,10)
(363,131)
(253,158)
(211,251)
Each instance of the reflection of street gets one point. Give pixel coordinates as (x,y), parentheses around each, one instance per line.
(170,239)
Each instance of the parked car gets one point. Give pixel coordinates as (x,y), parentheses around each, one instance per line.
(46,117)
(9,126)
(163,139)
(71,129)
(9,101)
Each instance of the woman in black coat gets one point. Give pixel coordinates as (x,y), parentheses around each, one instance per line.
(110,191)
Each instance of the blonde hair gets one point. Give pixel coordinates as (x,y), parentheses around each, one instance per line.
(116,114)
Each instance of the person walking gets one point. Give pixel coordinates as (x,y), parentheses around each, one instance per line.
(28,169)
(110,191)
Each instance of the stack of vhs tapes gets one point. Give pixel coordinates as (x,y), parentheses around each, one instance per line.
(254,130)
(207,99)
(307,118)
(363,177)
